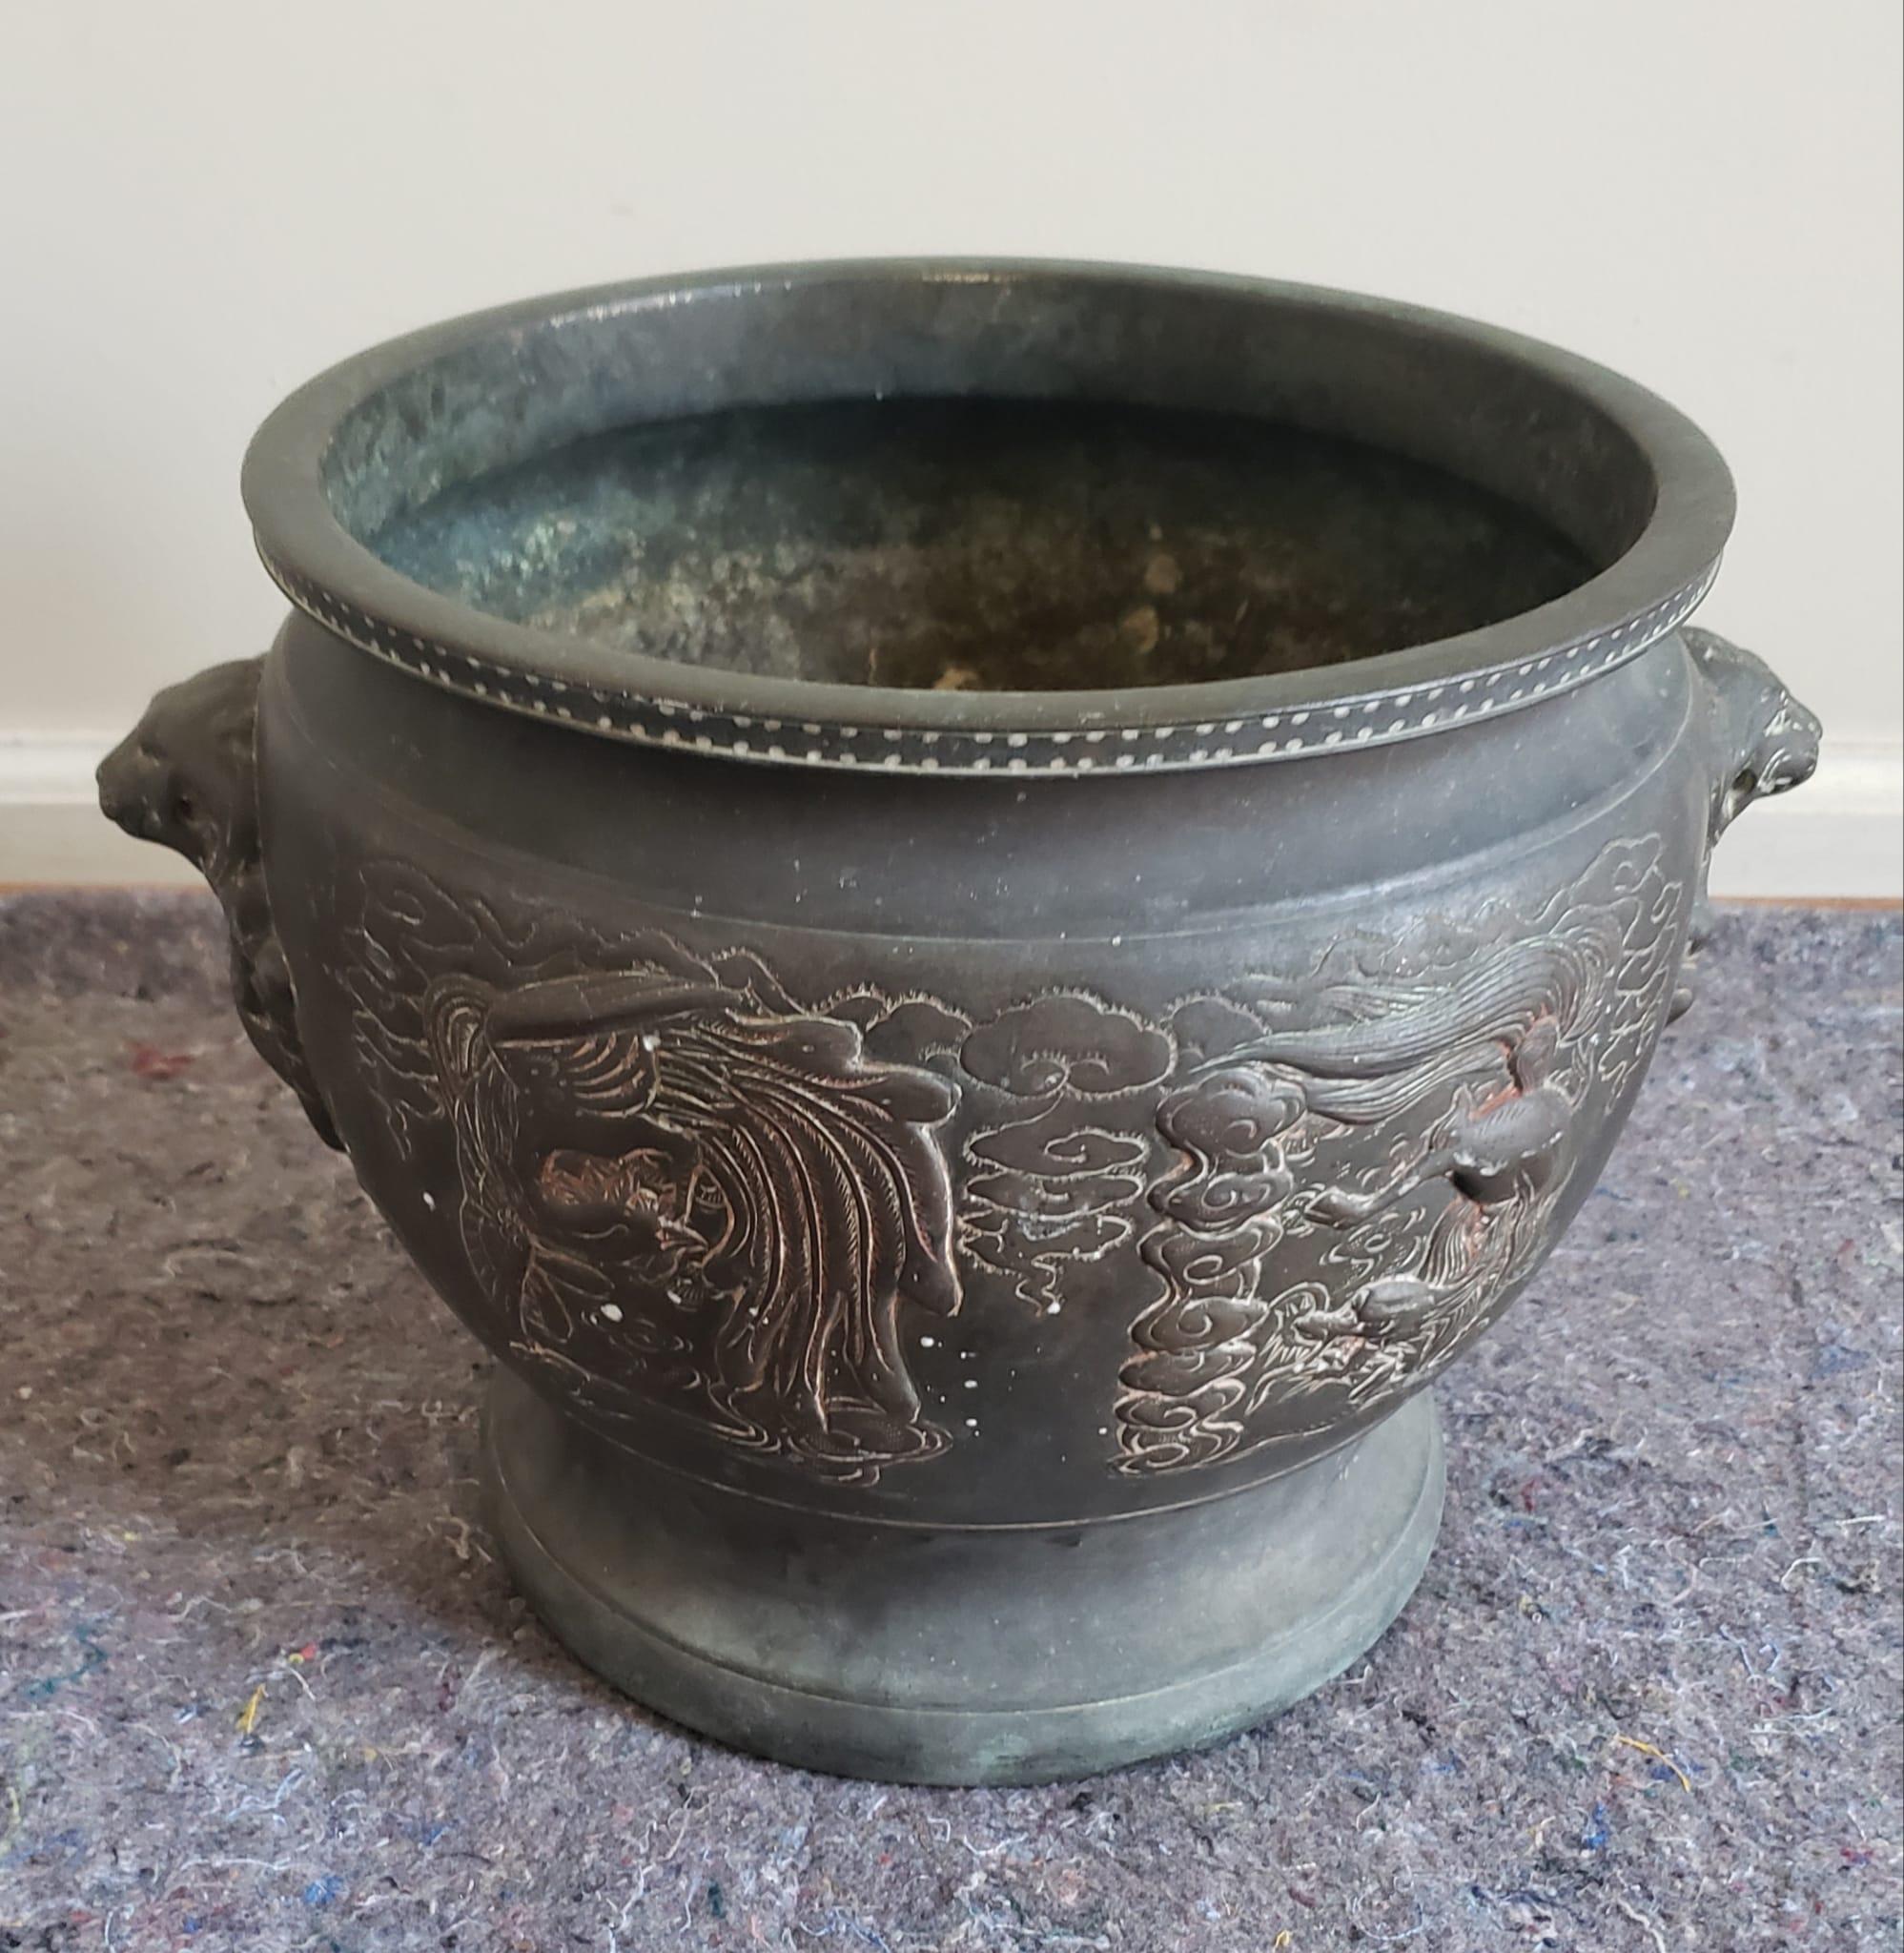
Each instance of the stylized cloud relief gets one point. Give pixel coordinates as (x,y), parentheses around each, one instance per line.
(1034,1198)
(1067,1043)
(1209,1028)
(1222,1210)
(1048,1192)
(907,1029)
(1231,1115)
(1054,1146)
(1058,1187)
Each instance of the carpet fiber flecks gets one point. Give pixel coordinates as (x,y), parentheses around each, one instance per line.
(263,1686)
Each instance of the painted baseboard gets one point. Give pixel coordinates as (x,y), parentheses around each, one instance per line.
(1841,836)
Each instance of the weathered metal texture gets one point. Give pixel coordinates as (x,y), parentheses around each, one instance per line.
(969,1229)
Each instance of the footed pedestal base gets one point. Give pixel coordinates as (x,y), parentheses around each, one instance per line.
(989,1654)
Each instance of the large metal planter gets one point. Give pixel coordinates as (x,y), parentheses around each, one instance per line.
(968,1185)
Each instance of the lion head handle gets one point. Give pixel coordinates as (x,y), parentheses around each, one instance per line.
(186,777)
(1768,743)
(1763,741)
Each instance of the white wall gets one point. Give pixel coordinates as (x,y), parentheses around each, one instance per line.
(204,203)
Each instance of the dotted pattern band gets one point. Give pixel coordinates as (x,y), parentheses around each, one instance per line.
(1366,719)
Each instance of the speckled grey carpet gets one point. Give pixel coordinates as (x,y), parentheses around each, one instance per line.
(262,1685)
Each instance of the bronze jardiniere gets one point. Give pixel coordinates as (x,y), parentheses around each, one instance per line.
(975,915)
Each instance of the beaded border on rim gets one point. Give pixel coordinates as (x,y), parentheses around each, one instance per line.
(1377,718)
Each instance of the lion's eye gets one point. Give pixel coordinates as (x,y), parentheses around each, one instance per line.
(183,806)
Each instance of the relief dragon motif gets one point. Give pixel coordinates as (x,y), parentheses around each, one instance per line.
(686,1191)
(1301,1283)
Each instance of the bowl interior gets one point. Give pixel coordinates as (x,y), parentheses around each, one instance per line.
(978,502)
(978,544)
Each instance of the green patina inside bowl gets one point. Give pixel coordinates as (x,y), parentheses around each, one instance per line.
(981,544)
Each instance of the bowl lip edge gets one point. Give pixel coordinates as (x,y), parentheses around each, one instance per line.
(1611,617)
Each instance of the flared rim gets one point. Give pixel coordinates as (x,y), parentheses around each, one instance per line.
(1615,614)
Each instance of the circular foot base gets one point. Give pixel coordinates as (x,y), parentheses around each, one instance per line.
(924,1655)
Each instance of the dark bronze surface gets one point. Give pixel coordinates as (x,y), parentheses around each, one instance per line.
(1051,1184)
